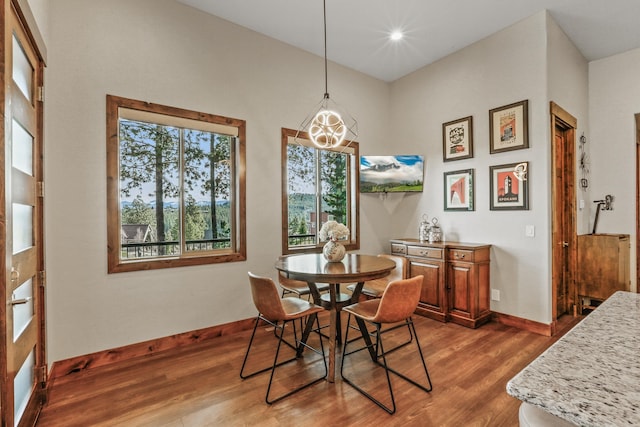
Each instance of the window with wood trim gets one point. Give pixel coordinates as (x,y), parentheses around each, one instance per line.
(318,185)
(175,187)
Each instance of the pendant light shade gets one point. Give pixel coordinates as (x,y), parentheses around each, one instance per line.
(327,129)
(328,126)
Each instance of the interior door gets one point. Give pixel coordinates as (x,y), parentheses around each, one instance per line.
(23,364)
(564,236)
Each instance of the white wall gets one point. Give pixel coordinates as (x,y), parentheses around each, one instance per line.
(568,87)
(507,67)
(614,98)
(40,10)
(164,52)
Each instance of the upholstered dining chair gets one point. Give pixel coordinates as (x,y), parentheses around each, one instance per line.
(301,290)
(375,288)
(397,304)
(298,287)
(278,312)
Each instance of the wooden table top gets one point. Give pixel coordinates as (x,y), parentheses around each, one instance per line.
(353,268)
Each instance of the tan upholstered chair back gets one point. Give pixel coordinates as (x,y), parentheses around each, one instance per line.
(266,298)
(402,267)
(399,300)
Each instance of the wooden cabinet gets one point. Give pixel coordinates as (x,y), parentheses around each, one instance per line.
(603,265)
(469,285)
(456,285)
(433,300)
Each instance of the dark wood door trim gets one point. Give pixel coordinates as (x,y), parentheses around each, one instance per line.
(562,120)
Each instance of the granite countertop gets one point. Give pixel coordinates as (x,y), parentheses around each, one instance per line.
(590,376)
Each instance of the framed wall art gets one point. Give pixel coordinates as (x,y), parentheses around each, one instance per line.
(457,139)
(509,127)
(509,186)
(459,190)
(390,174)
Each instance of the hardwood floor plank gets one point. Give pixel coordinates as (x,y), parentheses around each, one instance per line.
(199,385)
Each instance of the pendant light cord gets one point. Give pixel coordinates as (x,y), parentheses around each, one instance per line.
(326,84)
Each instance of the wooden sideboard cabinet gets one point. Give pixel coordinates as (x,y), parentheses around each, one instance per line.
(603,265)
(456,285)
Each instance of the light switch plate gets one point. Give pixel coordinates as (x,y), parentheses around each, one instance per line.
(530,231)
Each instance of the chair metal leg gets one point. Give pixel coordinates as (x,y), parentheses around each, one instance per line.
(424,364)
(372,348)
(246,356)
(376,351)
(362,325)
(301,344)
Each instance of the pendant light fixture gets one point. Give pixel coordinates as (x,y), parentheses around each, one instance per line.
(328,126)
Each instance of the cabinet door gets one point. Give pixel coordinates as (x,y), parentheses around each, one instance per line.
(459,284)
(432,297)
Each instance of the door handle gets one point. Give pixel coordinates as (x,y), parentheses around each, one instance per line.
(15,275)
(564,244)
(21,301)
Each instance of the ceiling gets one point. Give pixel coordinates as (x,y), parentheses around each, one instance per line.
(358,30)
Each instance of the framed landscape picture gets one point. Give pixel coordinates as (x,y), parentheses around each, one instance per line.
(391,174)
(458,190)
(509,127)
(508,191)
(457,139)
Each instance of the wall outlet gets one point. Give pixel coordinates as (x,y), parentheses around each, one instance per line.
(495,294)
(530,231)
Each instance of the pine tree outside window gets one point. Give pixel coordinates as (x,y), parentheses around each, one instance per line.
(176,187)
(318,185)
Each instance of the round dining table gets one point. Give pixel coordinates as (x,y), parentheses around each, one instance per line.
(314,268)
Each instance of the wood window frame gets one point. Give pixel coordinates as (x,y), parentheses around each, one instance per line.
(353,204)
(115,263)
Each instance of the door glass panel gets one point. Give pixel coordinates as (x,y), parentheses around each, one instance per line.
(22,148)
(22,313)
(22,70)
(22,384)
(22,227)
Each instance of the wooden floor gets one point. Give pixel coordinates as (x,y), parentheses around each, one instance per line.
(200,385)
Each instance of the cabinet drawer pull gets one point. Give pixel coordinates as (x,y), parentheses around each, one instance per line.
(460,256)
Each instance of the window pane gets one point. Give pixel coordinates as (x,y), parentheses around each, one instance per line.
(22,70)
(149,190)
(302,204)
(22,227)
(22,313)
(22,385)
(21,148)
(207,189)
(334,187)
(319,185)
(176,185)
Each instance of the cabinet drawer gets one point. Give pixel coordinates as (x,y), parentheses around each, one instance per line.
(399,249)
(423,252)
(460,255)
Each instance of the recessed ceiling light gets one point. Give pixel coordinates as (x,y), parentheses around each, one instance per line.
(396,35)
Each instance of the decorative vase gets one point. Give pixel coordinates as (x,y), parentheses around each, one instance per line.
(333,251)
